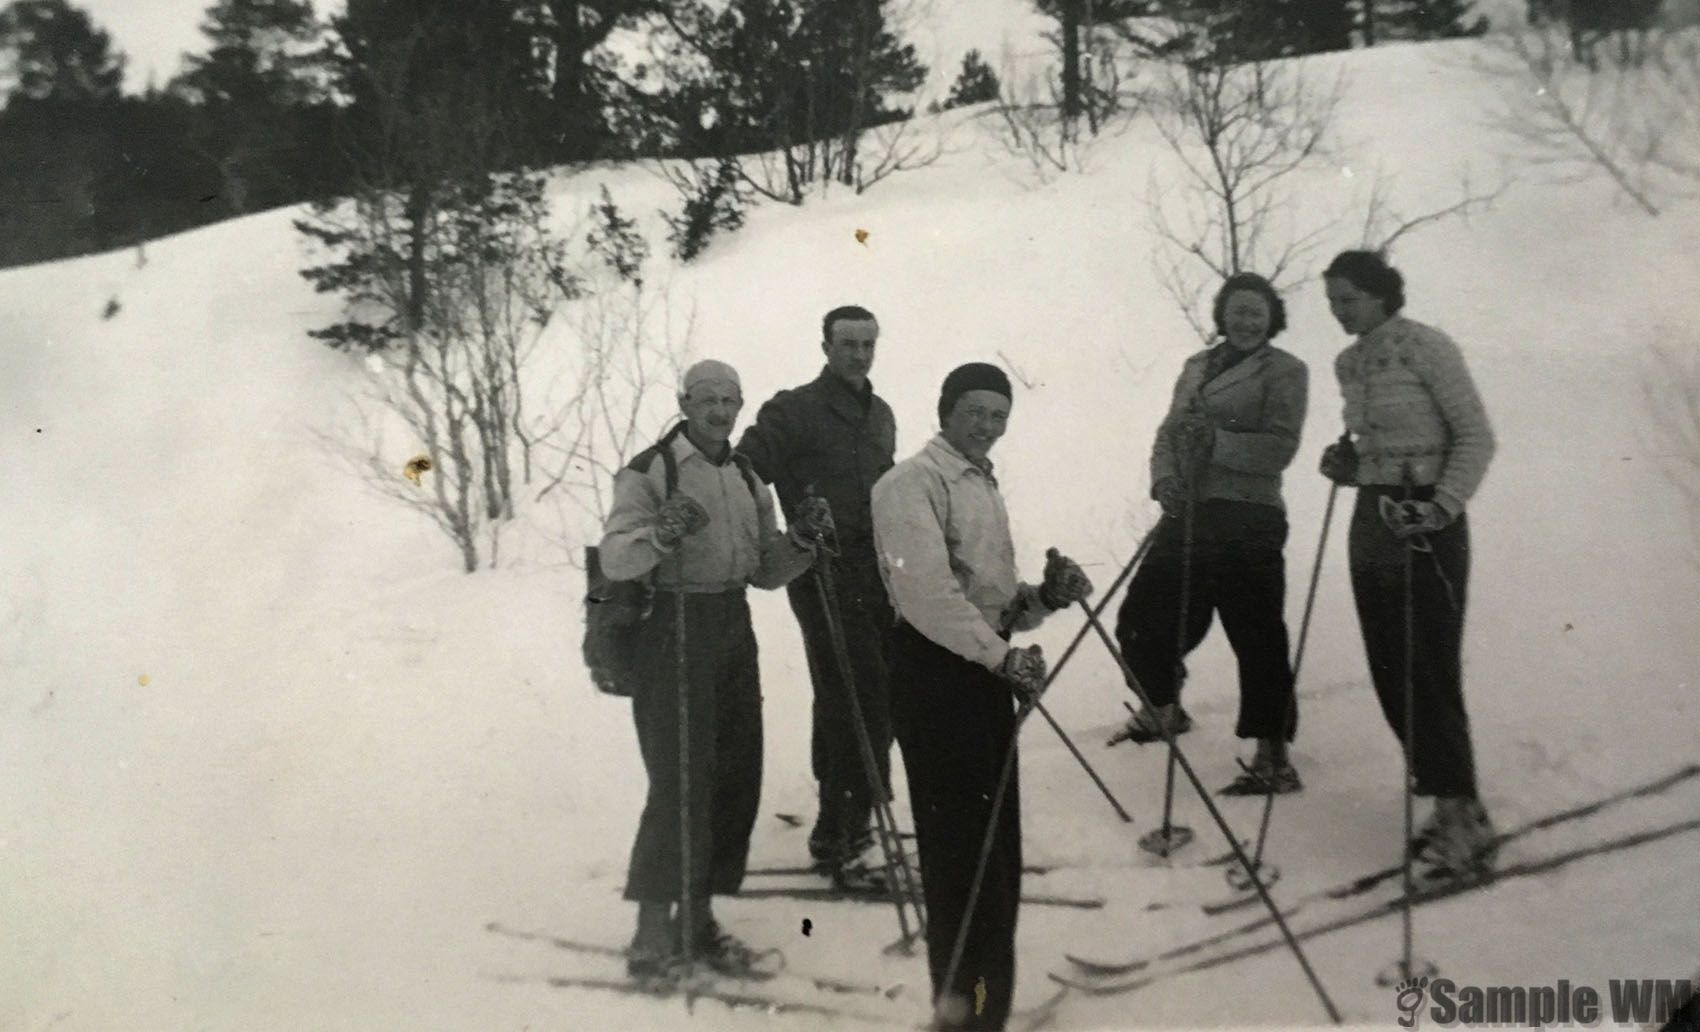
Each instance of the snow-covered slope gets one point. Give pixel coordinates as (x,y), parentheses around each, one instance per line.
(267,761)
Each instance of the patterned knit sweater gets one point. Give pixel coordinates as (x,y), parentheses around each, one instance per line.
(1414,410)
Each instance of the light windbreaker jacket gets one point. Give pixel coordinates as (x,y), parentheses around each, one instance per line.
(945,553)
(1257,407)
(741,544)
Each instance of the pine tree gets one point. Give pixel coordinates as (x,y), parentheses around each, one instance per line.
(58,159)
(568,33)
(58,55)
(802,76)
(446,95)
(1258,30)
(975,83)
(439,83)
(1073,17)
(261,54)
(249,92)
(1427,19)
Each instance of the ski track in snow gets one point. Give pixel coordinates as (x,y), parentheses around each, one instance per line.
(268,761)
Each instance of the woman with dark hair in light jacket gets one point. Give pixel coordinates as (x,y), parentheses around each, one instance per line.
(1232,428)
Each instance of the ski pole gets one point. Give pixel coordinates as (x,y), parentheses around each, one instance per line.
(1085,764)
(686,932)
(1216,815)
(1410,658)
(1007,625)
(1165,840)
(1298,662)
(883,816)
(978,882)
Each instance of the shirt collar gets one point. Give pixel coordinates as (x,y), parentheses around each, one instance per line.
(684,450)
(1224,356)
(955,464)
(833,382)
(1386,329)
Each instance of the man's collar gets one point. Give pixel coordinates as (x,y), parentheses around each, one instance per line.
(836,382)
(957,464)
(684,448)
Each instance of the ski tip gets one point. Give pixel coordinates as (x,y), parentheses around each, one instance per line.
(1235,903)
(1097,967)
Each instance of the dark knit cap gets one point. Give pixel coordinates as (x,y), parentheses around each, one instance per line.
(975,376)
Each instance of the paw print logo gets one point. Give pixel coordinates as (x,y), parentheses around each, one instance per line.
(1408,999)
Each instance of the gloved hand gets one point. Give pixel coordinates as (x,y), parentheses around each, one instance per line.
(1194,440)
(678,518)
(1024,669)
(1340,462)
(1170,493)
(1065,582)
(811,521)
(1408,519)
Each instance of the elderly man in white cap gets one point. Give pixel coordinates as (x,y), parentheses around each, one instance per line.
(690,515)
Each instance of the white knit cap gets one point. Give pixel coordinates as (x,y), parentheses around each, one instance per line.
(707,370)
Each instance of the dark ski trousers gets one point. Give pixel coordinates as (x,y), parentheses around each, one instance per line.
(725,745)
(835,753)
(955,721)
(1441,753)
(1238,570)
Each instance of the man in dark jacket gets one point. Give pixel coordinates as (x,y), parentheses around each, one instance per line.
(833,437)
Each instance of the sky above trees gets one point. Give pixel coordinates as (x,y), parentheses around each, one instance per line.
(155,34)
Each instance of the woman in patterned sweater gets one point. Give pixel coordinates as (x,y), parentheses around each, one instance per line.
(1418,448)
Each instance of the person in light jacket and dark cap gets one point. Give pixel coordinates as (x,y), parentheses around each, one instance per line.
(701,545)
(944,546)
(1419,445)
(1232,429)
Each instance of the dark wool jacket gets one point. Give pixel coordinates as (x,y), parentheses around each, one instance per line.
(1257,408)
(819,436)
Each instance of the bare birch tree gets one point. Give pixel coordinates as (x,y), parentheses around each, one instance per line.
(1238,133)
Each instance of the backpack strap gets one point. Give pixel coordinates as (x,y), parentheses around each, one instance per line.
(663,449)
(670,465)
(750,479)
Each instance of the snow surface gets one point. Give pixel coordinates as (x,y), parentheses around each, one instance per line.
(269,761)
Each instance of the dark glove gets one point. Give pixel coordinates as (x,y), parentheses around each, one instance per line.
(1171,494)
(678,518)
(1340,462)
(811,521)
(1065,582)
(1024,668)
(1408,519)
(1194,440)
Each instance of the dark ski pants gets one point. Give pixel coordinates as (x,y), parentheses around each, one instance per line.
(725,745)
(955,722)
(846,800)
(1441,753)
(1238,571)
